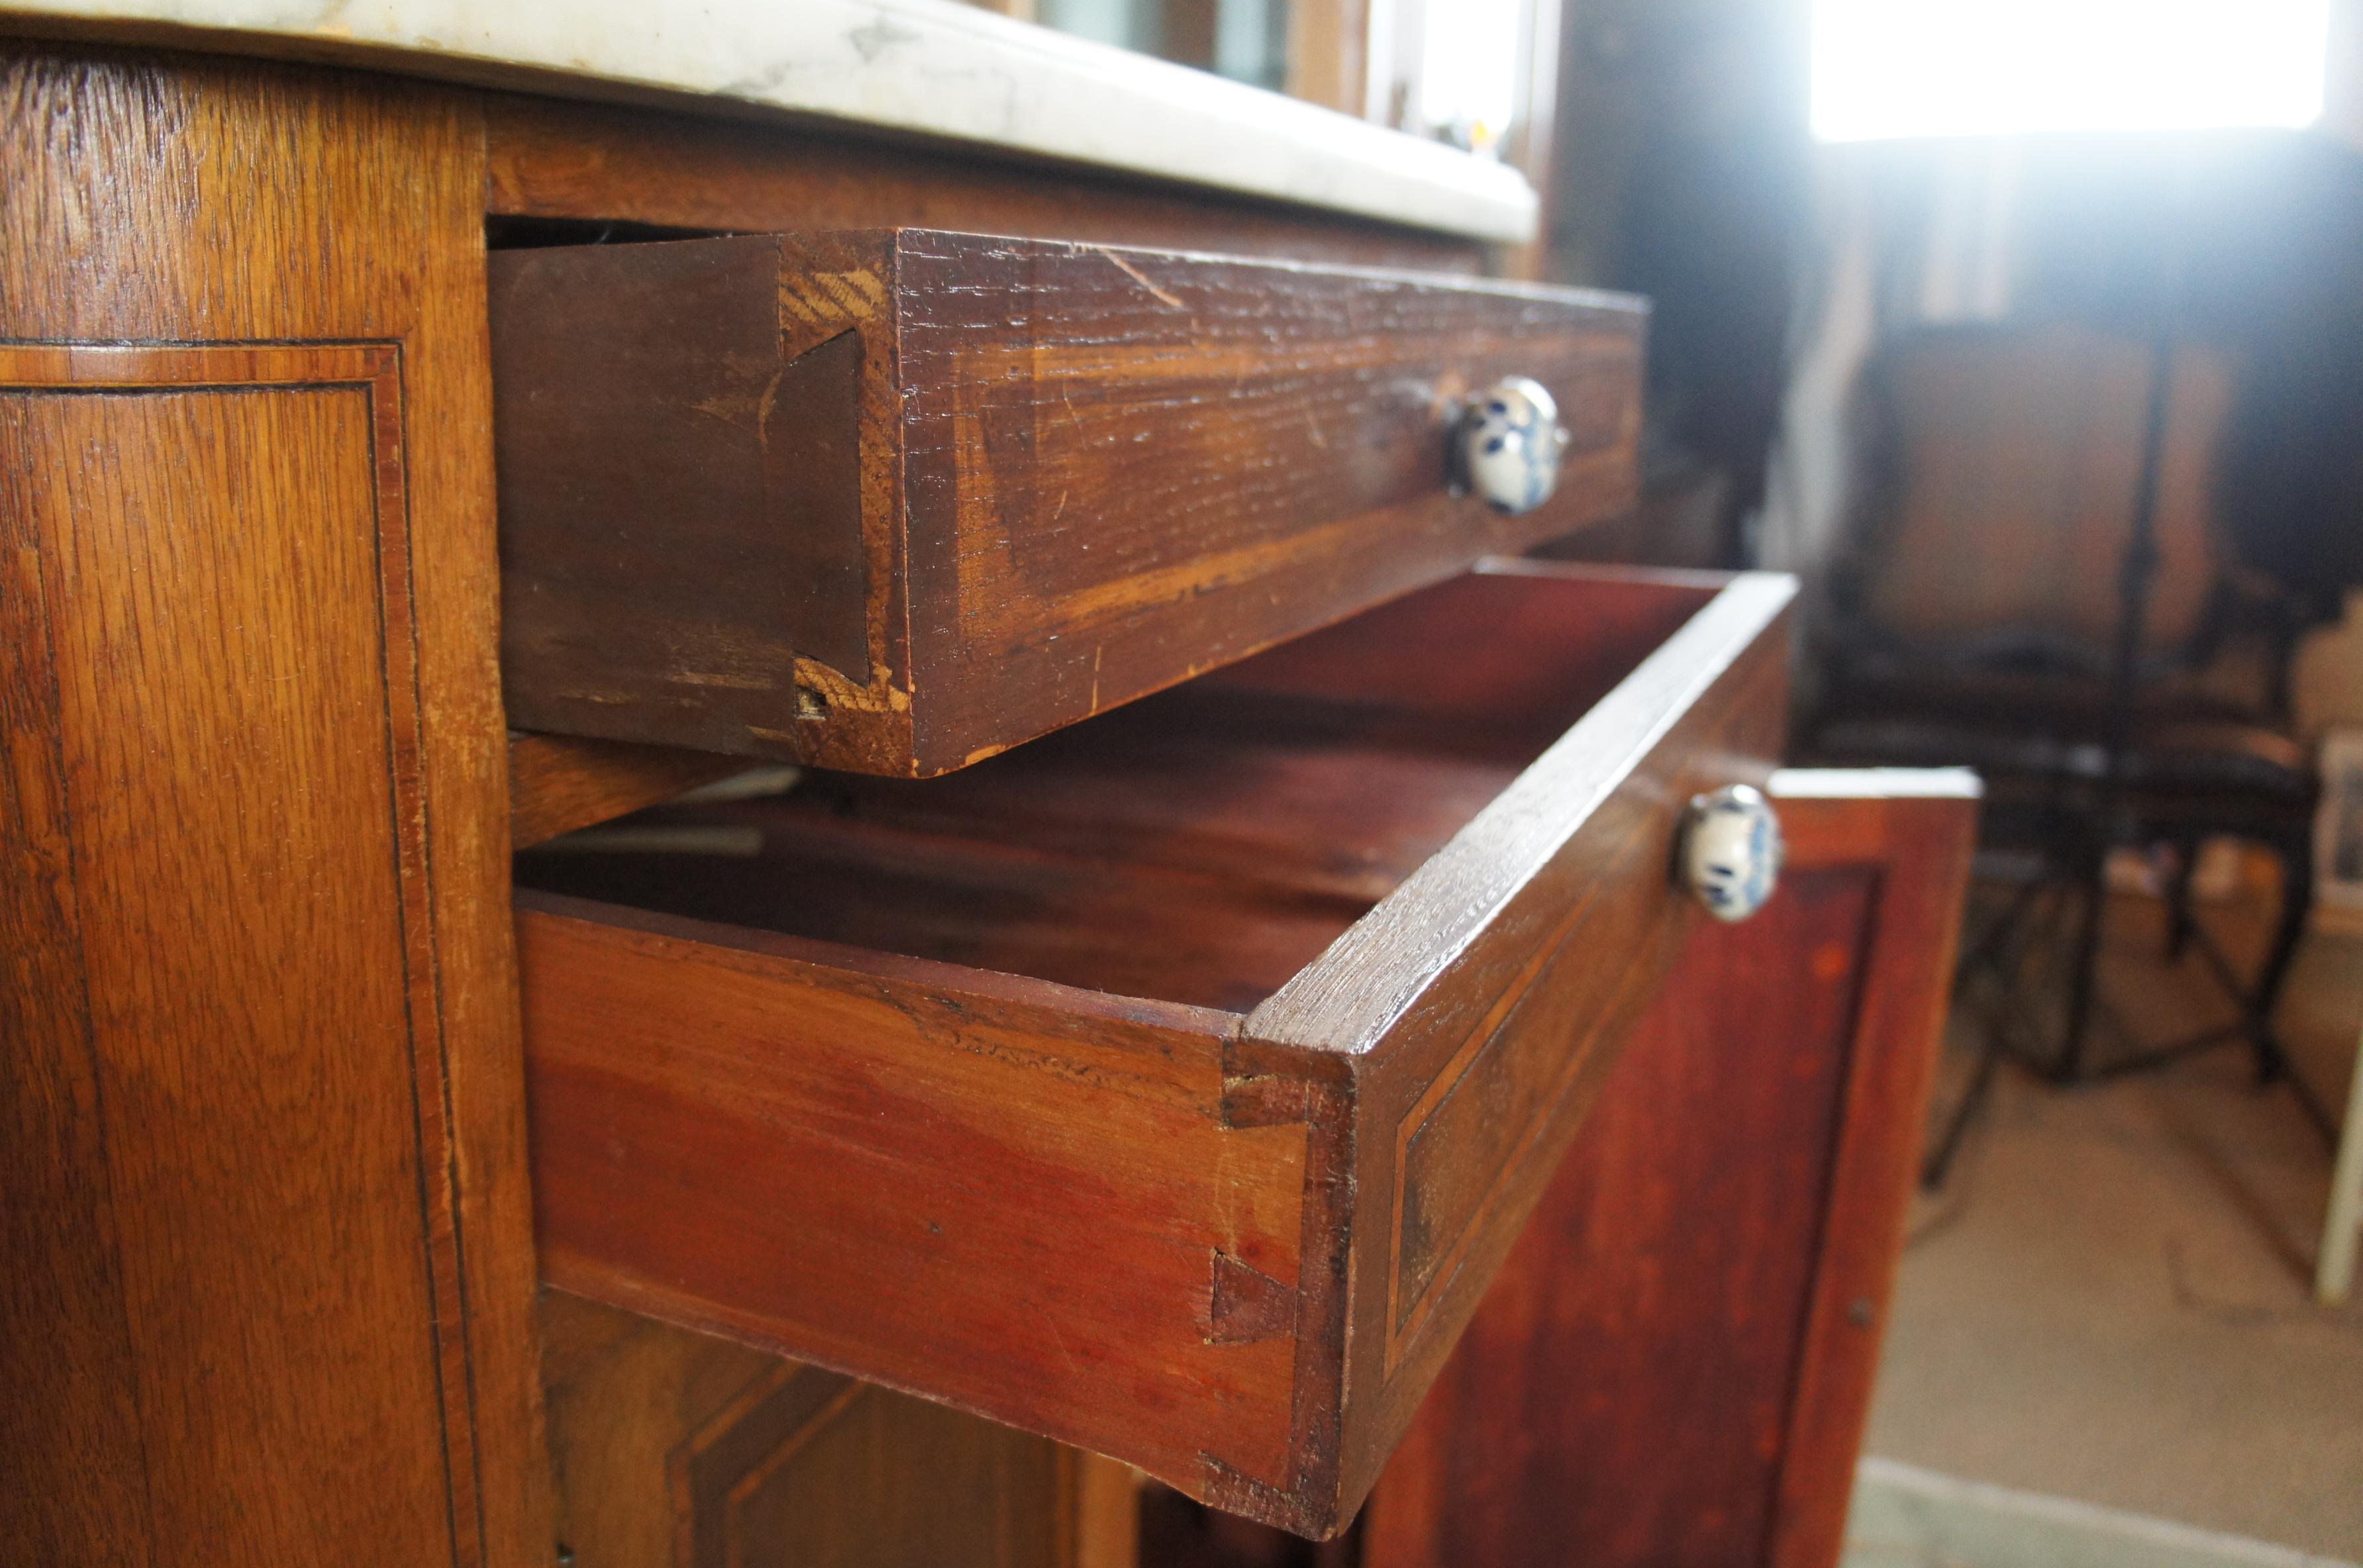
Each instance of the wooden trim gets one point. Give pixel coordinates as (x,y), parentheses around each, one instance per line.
(592,162)
(1916,835)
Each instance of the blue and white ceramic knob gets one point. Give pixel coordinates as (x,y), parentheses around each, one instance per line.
(1511,443)
(1730,853)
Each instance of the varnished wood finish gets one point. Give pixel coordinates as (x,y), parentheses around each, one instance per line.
(1921,846)
(551,160)
(894,500)
(1674,1365)
(266,1289)
(675,1449)
(1228,1244)
(559,783)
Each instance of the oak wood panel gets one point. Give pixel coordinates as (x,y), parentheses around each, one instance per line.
(1673,1365)
(1238,1322)
(1328,53)
(682,1450)
(262,1036)
(1104,1508)
(558,160)
(1082,474)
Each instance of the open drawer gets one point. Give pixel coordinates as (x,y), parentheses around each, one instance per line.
(1171,1086)
(893,501)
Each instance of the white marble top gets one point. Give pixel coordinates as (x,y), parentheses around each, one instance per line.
(930,66)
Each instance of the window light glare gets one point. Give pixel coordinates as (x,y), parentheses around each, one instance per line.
(1924,68)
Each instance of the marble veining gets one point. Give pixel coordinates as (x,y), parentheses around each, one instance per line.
(930,66)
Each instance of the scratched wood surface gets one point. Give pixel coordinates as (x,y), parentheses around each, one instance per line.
(1673,1365)
(267,1288)
(894,500)
(996,1083)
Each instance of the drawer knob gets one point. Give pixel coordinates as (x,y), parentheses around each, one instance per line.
(1730,853)
(1510,443)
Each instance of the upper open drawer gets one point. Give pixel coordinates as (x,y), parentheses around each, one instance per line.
(1173,1086)
(890,501)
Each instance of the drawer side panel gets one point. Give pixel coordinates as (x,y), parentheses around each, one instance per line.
(1034,1210)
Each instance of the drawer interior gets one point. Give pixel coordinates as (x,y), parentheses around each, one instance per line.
(1200,847)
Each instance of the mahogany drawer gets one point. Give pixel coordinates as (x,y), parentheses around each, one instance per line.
(1174,1086)
(893,501)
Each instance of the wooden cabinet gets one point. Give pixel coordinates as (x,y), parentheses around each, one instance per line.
(1174,1086)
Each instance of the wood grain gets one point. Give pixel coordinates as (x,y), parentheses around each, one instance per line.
(1083,474)
(962,1123)
(1130,1221)
(1673,1365)
(262,1044)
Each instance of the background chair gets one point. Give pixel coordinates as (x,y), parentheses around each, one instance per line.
(1974,619)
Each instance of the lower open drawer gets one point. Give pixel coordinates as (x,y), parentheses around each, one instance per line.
(1171,1085)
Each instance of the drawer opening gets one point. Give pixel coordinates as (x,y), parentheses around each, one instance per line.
(511,232)
(1200,847)
(1170,1085)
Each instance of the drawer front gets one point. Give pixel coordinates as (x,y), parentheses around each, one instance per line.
(1733,1209)
(1230,1246)
(894,500)
(1480,1081)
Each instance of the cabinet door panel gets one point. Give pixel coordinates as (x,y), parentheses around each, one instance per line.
(1674,1366)
(676,1450)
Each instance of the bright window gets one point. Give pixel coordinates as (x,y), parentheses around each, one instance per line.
(1924,68)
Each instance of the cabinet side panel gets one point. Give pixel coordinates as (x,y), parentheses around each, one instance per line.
(71,1423)
(247,500)
(228,1098)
